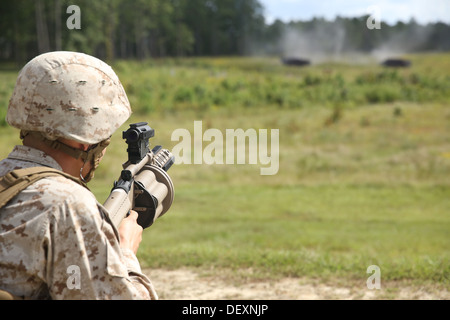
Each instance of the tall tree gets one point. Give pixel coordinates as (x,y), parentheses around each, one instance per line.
(58,36)
(41,27)
(158,28)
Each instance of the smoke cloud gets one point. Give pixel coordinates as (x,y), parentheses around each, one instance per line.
(318,45)
(349,40)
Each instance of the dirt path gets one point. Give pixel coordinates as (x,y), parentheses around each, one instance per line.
(183,284)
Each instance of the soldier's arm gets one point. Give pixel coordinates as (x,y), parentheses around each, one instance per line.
(84,258)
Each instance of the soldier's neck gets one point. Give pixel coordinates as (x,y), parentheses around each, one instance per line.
(68,164)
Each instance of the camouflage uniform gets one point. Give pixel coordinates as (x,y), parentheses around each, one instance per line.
(54,224)
(56,240)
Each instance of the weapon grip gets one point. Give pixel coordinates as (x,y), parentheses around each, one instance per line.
(119,203)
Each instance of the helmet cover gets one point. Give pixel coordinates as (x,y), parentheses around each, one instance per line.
(68,95)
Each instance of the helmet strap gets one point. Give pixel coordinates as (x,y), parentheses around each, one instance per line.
(92,155)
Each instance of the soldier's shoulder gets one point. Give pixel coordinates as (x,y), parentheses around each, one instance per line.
(59,187)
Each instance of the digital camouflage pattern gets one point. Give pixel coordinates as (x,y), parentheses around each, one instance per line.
(56,240)
(56,226)
(68,95)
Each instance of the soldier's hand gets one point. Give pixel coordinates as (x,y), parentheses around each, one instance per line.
(130,232)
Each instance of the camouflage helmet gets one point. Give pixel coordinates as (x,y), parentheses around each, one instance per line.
(68,95)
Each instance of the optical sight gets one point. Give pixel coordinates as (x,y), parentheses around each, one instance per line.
(137,137)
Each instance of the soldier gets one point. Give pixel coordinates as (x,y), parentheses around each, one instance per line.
(56,240)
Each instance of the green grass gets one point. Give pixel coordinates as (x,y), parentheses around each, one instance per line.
(172,85)
(364,166)
(319,231)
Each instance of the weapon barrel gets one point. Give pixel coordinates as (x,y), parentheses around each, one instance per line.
(118,205)
(158,185)
(144,185)
(135,168)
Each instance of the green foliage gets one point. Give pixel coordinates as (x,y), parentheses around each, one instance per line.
(7,81)
(232,83)
(364,166)
(322,231)
(159,28)
(129,29)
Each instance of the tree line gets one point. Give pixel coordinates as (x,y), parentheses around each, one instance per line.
(139,29)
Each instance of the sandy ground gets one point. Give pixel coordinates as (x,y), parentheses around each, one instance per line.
(189,284)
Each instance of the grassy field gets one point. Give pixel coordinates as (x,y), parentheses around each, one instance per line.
(364,174)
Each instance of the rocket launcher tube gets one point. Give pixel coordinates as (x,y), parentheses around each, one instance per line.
(144,185)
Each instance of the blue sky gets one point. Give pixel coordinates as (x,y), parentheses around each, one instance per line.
(390,11)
